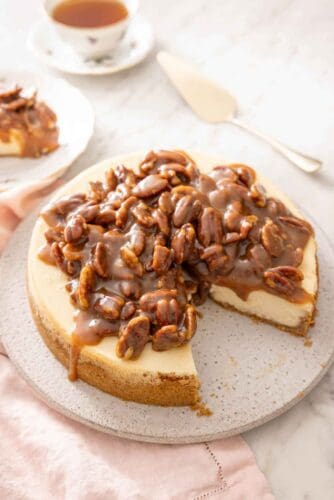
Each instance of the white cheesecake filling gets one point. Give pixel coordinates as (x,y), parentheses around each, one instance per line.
(47,286)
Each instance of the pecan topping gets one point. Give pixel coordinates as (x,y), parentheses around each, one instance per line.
(142,249)
(133,338)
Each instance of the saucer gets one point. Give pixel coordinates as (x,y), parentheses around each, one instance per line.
(75,119)
(138,41)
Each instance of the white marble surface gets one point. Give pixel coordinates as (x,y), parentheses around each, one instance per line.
(277,57)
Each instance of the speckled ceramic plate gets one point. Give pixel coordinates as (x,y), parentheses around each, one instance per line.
(47,46)
(75,119)
(250,372)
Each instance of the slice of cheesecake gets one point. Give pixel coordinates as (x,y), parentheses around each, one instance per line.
(28,127)
(286,298)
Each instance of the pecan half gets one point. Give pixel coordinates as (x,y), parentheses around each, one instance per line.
(210,229)
(190,321)
(258,194)
(109,306)
(148,302)
(167,337)
(100,260)
(289,272)
(106,215)
(122,213)
(111,179)
(186,210)
(165,203)
(71,252)
(246,174)
(133,338)
(162,221)
(296,223)
(162,259)
(97,192)
(143,215)
(168,312)
(75,229)
(129,257)
(279,282)
(271,238)
(128,310)
(183,243)
(86,285)
(215,257)
(150,186)
(137,241)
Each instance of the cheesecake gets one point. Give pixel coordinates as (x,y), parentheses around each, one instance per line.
(28,127)
(122,256)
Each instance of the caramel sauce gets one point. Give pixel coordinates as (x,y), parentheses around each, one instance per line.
(89,13)
(32,123)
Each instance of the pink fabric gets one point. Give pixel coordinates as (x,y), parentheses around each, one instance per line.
(44,455)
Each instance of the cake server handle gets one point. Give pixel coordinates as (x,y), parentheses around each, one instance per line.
(306,163)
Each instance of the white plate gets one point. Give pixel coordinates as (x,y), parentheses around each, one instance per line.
(75,120)
(138,41)
(250,372)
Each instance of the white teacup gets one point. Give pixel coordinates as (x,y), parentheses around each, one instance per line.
(92,42)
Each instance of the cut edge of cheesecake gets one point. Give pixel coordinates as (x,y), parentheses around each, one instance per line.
(166,378)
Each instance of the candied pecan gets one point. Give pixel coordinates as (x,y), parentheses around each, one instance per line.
(123,211)
(71,252)
(86,284)
(8,95)
(258,194)
(186,173)
(210,229)
(165,203)
(224,173)
(168,312)
(106,215)
(137,241)
(109,306)
(190,321)
(214,256)
(148,301)
(97,192)
(150,186)
(100,260)
(246,174)
(111,179)
(246,225)
(63,206)
(129,257)
(296,223)
(172,156)
(88,211)
(143,215)
(162,221)
(131,289)
(121,173)
(128,310)
(259,256)
(57,254)
(232,216)
(289,272)
(160,239)
(272,239)
(162,259)
(167,337)
(183,243)
(54,234)
(75,229)
(133,338)
(72,267)
(279,282)
(186,210)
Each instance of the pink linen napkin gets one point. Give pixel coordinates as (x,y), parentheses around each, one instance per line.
(44,455)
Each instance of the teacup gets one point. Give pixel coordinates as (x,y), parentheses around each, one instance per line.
(92,42)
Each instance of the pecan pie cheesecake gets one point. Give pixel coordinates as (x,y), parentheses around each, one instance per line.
(28,127)
(121,258)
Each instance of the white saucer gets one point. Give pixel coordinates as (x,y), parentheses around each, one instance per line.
(75,118)
(51,50)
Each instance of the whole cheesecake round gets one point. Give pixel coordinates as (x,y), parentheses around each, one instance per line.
(125,251)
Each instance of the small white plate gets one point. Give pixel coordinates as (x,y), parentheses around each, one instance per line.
(138,41)
(75,118)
